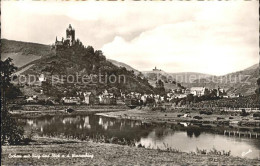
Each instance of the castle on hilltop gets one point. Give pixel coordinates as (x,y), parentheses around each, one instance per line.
(155,69)
(69,41)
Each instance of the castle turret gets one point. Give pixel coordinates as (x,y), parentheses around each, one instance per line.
(68,41)
(70,35)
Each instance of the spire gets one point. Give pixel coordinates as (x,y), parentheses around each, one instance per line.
(56,39)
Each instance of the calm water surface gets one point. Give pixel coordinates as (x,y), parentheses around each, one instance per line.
(185,137)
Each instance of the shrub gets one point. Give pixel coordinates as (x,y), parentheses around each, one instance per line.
(206,112)
(159,108)
(256,114)
(179,115)
(244,113)
(202,112)
(197,117)
(11,133)
(209,113)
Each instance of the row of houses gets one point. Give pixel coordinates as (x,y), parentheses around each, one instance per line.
(107,98)
(90,98)
(195,91)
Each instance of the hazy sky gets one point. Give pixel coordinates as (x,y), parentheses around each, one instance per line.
(207,37)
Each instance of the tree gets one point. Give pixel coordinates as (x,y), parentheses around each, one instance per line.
(115,91)
(140,74)
(100,55)
(11,133)
(174,82)
(196,99)
(258,90)
(12,92)
(190,98)
(90,50)
(159,87)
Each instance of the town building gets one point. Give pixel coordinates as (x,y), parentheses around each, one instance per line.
(221,92)
(71,100)
(199,91)
(32,99)
(89,98)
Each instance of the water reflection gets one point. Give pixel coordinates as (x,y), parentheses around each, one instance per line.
(184,136)
(86,123)
(193,131)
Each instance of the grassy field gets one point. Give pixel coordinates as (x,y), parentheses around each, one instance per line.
(107,154)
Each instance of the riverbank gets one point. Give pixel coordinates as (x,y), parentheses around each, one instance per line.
(35,111)
(113,154)
(185,115)
(145,114)
(107,154)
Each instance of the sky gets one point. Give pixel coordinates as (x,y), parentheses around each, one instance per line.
(215,37)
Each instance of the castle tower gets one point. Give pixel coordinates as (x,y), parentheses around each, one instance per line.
(70,35)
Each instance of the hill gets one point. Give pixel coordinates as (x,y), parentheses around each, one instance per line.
(22,53)
(183,78)
(76,61)
(121,64)
(255,66)
(243,81)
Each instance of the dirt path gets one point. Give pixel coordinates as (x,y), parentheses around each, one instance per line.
(23,70)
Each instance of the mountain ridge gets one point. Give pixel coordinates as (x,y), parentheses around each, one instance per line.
(28,53)
(239,82)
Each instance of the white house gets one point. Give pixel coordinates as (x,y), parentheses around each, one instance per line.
(198,91)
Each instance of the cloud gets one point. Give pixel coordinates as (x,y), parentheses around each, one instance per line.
(96,23)
(215,42)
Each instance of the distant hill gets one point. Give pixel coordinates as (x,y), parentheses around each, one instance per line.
(23,53)
(36,59)
(184,78)
(255,66)
(121,64)
(243,81)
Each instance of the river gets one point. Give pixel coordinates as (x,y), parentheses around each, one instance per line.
(182,136)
